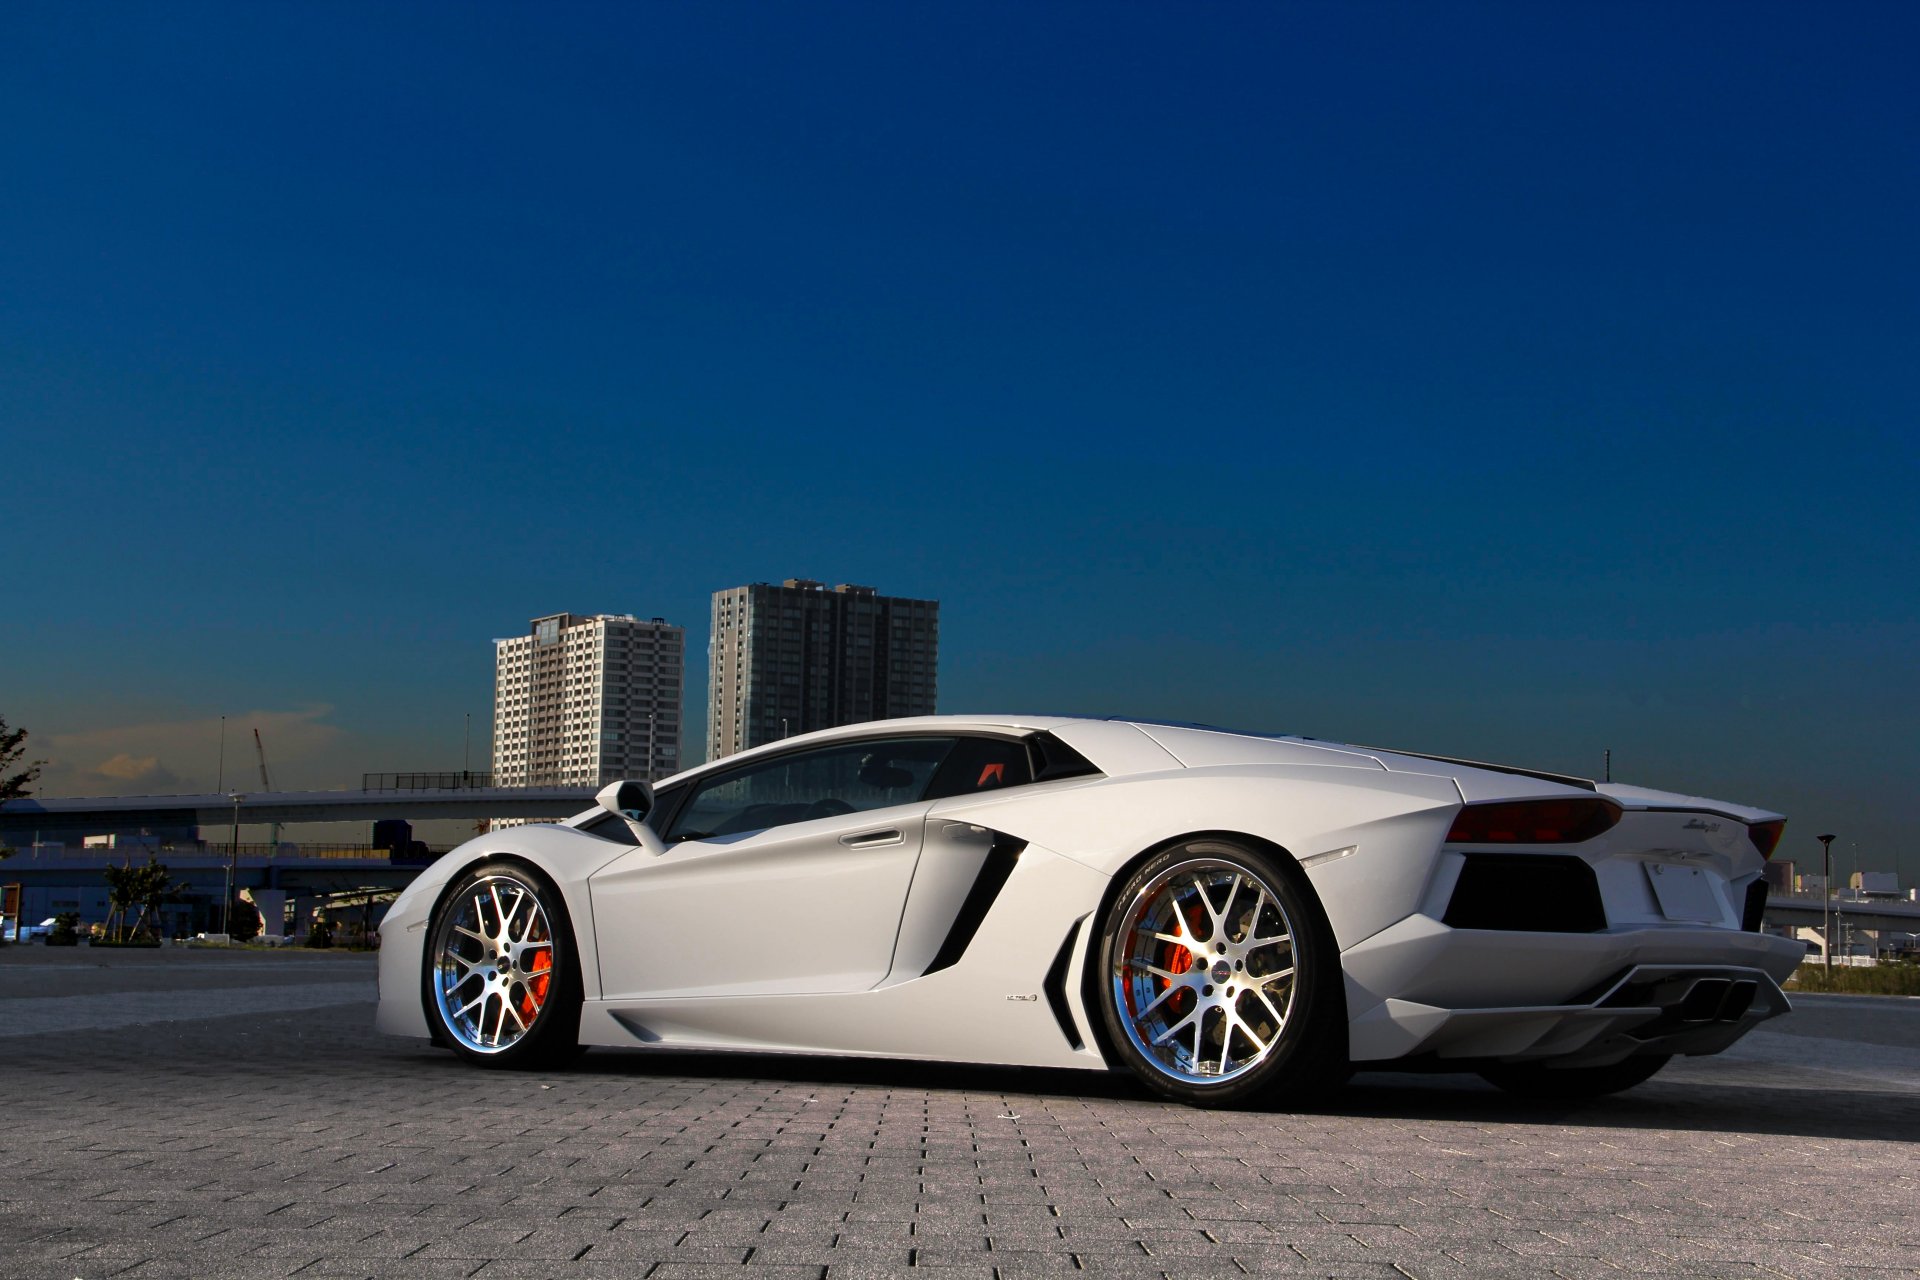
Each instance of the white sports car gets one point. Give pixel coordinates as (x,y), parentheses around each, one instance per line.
(1222,914)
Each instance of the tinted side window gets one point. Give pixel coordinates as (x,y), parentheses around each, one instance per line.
(665,801)
(844,778)
(611,827)
(981,764)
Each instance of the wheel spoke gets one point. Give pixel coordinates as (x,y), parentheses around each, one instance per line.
(1174,1030)
(1260,983)
(1200,889)
(470,968)
(1178,986)
(1246,1029)
(529,922)
(1253,921)
(1279,1018)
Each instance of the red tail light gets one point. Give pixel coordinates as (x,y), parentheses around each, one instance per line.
(1766,835)
(1533,822)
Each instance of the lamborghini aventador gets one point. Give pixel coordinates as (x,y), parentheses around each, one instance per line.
(1222,914)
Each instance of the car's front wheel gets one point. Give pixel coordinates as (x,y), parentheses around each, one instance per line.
(501,981)
(1219,978)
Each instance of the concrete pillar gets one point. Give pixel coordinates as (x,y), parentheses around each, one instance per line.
(272,905)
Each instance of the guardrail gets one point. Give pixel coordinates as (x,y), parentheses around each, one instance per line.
(219,850)
(462,780)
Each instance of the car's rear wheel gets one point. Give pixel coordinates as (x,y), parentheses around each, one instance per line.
(1538,1080)
(501,980)
(1219,980)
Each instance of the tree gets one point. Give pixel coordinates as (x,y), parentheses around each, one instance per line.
(122,892)
(13,786)
(145,887)
(156,887)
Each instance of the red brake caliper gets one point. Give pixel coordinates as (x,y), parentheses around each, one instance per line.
(541,971)
(1174,958)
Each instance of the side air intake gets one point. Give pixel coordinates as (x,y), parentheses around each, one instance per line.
(987,883)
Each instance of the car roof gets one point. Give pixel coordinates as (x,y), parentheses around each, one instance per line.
(1155,747)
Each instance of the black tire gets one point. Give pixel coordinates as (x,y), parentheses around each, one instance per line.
(1538,1080)
(1264,1033)
(525,987)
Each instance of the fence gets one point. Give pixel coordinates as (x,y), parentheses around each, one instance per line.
(461,780)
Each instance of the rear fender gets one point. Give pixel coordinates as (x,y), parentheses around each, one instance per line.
(1367,839)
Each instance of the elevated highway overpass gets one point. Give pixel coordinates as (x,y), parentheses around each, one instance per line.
(1879,916)
(65,820)
(56,871)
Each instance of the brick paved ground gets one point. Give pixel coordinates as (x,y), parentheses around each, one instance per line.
(300,1143)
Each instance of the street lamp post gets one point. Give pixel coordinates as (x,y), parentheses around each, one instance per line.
(233,866)
(649,746)
(1826,899)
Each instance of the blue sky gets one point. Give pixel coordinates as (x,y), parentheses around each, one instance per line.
(1515,381)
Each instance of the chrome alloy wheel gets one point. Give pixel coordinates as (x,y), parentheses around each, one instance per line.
(1203,969)
(493,968)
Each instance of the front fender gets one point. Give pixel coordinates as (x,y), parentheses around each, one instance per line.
(564,855)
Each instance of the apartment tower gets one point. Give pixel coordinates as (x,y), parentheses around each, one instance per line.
(803,656)
(587,701)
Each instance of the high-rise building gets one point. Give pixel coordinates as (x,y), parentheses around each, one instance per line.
(587,700)
(801,656)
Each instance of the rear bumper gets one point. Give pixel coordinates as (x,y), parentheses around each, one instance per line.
(1423,990)
(1651,1009)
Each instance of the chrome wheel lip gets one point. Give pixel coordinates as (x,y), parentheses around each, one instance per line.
(482,971)
(1209,957)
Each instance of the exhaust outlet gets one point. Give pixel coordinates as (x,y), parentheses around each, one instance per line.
(1706,1000)
(1739,999)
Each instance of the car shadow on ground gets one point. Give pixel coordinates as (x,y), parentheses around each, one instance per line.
(1880,1115)
(1735,1106)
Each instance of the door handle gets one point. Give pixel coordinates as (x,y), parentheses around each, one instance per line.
(872,839)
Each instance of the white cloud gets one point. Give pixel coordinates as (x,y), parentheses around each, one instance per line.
(126,768)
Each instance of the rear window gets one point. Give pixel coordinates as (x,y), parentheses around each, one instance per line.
(981,764)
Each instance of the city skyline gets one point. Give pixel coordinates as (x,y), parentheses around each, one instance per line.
(1505,382)
(312,732)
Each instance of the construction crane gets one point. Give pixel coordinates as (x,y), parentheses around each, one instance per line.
(266,784)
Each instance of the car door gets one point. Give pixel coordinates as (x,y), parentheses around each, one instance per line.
(786,874)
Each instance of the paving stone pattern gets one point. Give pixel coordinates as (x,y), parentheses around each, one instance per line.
(303,1144)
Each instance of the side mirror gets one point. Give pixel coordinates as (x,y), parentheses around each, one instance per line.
(632,800)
